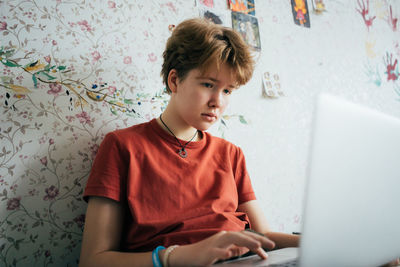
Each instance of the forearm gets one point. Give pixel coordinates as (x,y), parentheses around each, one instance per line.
(114,258)
(283,240)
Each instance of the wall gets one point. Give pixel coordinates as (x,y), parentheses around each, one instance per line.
(73,70)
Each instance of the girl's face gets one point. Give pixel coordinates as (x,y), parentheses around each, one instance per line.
(201,99)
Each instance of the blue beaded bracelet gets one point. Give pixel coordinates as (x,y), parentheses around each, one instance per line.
(155,257)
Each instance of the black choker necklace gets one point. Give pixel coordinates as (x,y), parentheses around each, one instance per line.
(182,152)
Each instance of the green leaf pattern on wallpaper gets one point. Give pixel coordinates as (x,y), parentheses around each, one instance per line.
(70,72)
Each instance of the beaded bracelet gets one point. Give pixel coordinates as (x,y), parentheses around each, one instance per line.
(155,257)
(167,253)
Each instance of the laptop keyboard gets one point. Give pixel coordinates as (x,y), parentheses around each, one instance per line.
(292,263)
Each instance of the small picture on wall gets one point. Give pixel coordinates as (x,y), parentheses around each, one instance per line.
(300,13)
(244,6)
(247,26)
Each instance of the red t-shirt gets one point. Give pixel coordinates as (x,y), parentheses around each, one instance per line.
(170,199)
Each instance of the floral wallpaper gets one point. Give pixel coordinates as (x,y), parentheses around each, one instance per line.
(72,71)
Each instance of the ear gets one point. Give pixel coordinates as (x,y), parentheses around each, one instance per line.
(173,80)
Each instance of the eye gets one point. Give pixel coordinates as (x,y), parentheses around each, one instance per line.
(208,85)
(227,91)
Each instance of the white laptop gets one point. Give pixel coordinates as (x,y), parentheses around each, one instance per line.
(352,199)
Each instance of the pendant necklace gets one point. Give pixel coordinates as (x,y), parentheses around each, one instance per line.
(182,151)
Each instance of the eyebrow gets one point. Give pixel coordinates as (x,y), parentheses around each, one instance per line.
(214,80)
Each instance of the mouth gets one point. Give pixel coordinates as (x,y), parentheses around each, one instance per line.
(209,116)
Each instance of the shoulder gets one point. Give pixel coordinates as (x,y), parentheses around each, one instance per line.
(137,131)
(222,144)
(127,137)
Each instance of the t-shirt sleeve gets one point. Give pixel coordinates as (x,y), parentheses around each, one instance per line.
(108,175)
(243,183)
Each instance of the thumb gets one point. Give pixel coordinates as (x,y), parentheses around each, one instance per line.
(218,254)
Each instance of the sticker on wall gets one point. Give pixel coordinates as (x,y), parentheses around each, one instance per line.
(363,9)
(392,19)
(318,6)
(271,85)
(300,13)
(205,3)
(247,26)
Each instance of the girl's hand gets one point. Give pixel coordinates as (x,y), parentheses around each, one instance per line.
(220,246)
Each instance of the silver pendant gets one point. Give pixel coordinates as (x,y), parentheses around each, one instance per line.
(182,153)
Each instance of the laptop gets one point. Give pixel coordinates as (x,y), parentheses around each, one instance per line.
(351,211)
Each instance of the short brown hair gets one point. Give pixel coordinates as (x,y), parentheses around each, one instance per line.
(198,43)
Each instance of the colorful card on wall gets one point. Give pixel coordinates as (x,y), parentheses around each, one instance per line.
(271,85)
(300,13)
(244,6)
(247,26)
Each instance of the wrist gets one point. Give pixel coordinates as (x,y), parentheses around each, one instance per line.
(180,257)
(166,255)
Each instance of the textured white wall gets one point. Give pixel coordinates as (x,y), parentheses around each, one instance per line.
(331,56)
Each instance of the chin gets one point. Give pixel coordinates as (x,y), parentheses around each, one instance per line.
(204,127)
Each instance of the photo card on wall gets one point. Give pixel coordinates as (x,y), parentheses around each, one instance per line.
(243,6)
(247,26)
(300,13)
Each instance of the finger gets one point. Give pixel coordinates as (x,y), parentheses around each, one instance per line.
(266,243)
(219,254)
(239,239)
(261,252)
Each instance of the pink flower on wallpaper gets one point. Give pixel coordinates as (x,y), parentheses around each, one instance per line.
(42,140)
(54,42)
(85,25)
(51,193)
(171,7)
(44,161)
(111,4)
(51,141)
(127,60)
(13,203)
(152,57)
(93,149)
(96,56)
(3,26)
(55,89)
(83,117)
(111,90)
(47,59)
(80,220)
(208,3)
(70,118)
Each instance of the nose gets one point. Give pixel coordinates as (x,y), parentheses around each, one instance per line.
(216,99)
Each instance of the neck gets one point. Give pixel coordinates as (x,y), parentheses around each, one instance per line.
(180,131)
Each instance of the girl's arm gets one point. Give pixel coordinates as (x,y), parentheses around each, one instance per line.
(259,223)
(102,236)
